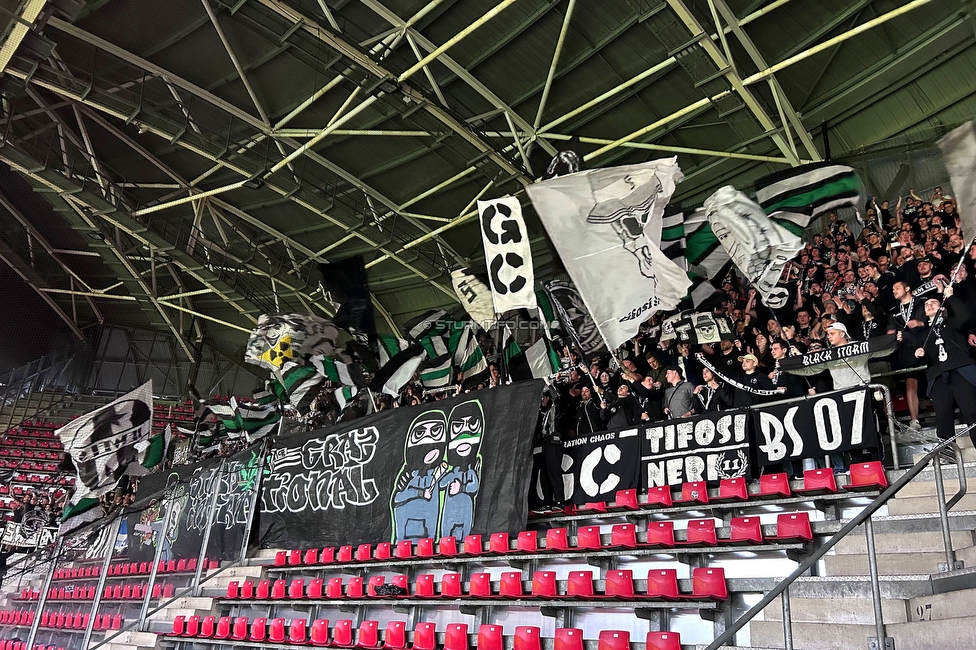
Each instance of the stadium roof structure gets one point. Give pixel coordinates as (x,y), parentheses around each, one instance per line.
(184,164)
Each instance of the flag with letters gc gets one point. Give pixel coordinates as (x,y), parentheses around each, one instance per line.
(113,441)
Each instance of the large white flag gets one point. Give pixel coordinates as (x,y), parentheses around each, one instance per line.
(959,148)
(759,247)
(112,441)
(602,223)
(508,255)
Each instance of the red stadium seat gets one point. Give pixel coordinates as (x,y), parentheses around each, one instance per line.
(192,626)
(233,589)
(395,637)
(298,632)
(179,624)
(315,588)
(543,584)
(498,543)
(527,542)
(456,636)
(793,527)
(473,545)
(702,531)
(660,496)
(279,589)
(345,554)
(364,553)
(479,586)
(694,492)
(296,589)
(708,582)
(447,547)
(247,590)
(662,583)
(623,536)
(745,530)
(263,591)
(223,628)
(320,632)
(207,627)
(403,550)
(588,537)
(579,584)
(557,539)
(490,638)
(425,547)
(620,584)
(733,489)
(311,556)
(818,481)
(451,585)
(625,500)
(614,640)
(328,555)
(333,588)
(369,636)
(259,630)
(593,506)
(510,585)
(295,557)
(663,641)
(660,533)
(527,638)
(373,583)
(355,587)
(424,587)
(774,485)
(384,551)
(867,476)
(424,637)
(342,634)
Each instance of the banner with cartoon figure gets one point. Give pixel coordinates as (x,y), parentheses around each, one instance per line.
(448,468)
(189,490)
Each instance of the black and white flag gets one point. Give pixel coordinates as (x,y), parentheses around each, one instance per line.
(759,247)
(594,467)
(112,441)
(575,317)
(508,255)
(815,427)
(475,297)
(603,223)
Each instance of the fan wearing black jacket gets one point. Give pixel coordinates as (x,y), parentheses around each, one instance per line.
(624,411)
(589,415)
(951,372)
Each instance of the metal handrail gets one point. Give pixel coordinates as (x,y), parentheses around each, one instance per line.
(860,518)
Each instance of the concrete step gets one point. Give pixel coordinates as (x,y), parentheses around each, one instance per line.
(966,554)
(856,564)
(942,607)
(934,635)
(854,611)
(815,636)
(133,638)
(856,543)
(234,573)
(927,504)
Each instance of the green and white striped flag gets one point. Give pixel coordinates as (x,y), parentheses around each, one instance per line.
(344,395)
(542,359)
(469,359)
(253,420)
(795,197)
(298,386)
(347,374)
(389,346)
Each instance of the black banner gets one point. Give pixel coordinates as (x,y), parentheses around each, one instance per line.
(595,466)
(190,490)
(453,467)
(815,427)
(709,447)
(878,346)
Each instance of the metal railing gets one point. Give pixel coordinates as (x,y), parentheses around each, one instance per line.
(880,641)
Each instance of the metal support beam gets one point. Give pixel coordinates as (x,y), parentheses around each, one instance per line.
(552,66)
(35,282)
(236,62)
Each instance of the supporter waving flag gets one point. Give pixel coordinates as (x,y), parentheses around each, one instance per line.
(795,197)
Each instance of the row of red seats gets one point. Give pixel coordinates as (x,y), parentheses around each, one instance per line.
(490,637)
(28,466)
(790,527)
(39,424)
(707,583)
(863,476)
(111,592)
(41,455)
(134,568)
(19,491)
(32,443)
(22,645)
(79,621)
(46,479)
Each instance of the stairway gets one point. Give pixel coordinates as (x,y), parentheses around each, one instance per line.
(834,609)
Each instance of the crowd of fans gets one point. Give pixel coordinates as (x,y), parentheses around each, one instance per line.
(887,271)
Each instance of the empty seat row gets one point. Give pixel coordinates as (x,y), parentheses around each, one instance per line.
(22,645)
(790,527)
(707,583)
(79,621)
(134,568)
(424,637)
(19,617)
